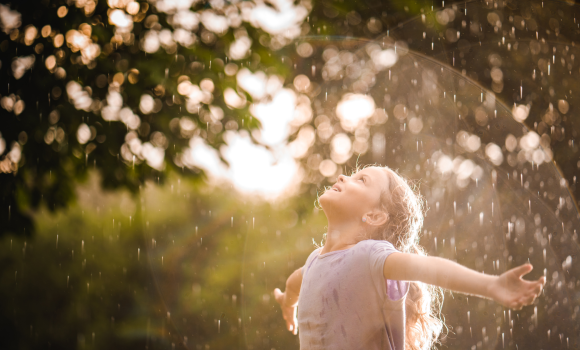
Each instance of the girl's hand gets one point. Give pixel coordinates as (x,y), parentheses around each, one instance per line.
(510,290)
(288,312)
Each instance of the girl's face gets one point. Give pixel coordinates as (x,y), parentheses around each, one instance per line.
(357,196)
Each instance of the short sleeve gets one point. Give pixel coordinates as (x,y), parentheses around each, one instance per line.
(397,289)
(379,251)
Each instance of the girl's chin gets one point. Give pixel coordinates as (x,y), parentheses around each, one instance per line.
(330,191)
(327,195)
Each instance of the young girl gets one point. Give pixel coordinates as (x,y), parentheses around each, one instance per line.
(352,297)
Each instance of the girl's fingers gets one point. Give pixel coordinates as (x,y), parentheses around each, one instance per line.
(537,288)
(278,294)
(529,299)
(522,270)
(290,320)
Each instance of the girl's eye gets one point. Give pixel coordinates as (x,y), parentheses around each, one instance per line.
(363,179)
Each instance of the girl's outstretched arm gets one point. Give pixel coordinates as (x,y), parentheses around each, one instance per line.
(289,300)
(508,289)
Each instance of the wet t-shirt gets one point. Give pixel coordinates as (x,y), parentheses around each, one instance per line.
(346,303)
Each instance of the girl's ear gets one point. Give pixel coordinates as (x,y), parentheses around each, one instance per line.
(376,218)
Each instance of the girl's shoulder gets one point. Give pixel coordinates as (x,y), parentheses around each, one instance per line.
(372,242)
(314,253)
(372,245)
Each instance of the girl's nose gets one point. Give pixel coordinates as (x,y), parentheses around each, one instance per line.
(341,178)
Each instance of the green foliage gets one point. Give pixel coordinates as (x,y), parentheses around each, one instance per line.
(154,269)
(47,170)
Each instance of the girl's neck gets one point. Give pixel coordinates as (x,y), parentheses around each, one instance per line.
(341,236)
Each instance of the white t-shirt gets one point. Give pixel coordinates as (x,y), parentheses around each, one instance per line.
(346,303)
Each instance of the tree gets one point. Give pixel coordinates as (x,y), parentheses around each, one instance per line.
(122,87)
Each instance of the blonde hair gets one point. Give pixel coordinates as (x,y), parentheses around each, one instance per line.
(404,207)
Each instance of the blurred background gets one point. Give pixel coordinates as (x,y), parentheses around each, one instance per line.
(160,160)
